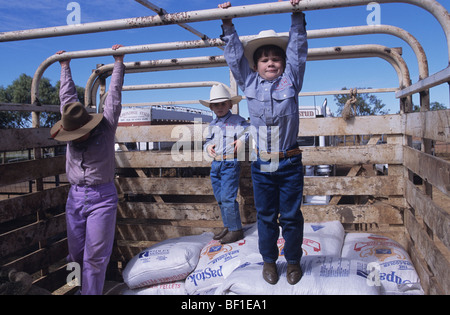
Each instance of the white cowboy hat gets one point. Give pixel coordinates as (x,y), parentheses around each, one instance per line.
(218,94)
(268,37)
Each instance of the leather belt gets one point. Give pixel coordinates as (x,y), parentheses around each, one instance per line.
(225,157)
(280,155)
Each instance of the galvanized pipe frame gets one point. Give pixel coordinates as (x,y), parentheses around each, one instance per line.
(432,6)
(312,34)
(329,53)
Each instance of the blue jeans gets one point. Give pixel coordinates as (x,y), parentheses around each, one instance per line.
(278,197)
(225,183)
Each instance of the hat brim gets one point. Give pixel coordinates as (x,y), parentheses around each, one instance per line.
(252,45)
(65,135)
(234,100)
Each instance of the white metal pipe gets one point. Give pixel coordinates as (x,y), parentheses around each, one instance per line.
(346,31)
(328,53)
(432,6)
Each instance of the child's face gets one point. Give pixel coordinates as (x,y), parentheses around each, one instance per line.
(270,67)
(221,109)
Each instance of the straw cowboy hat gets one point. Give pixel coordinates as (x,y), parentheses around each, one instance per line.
(268,37)
(75,123)
(219,93)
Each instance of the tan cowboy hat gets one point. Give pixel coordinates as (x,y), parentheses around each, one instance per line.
(219,93)
(268,37)
(75,123)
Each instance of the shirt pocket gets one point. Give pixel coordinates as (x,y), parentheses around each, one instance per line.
(255,104)
(284,102)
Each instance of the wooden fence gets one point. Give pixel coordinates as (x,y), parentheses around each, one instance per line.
(161,197)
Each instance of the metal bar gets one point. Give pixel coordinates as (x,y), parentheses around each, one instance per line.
(425,84)
(328,53)
(346,31)
(161,11)
(360,91)
(169,85)
(432,6)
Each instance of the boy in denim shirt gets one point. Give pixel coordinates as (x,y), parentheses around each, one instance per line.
(225,138)
(269,70)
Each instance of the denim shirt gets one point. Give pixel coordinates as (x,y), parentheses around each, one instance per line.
(223,131)
(92,162)
(272,105)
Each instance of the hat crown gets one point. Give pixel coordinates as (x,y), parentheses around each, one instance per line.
(219,93)
(74,116)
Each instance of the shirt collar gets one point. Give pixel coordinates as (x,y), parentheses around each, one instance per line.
(224,118)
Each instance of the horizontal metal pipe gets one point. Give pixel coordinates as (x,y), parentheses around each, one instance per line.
(162,86)
(312,34)
(328,53)
(432,6)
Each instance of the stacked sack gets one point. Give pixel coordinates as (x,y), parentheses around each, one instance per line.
(332,263)
(217,262)
(390,266)
(162,268)
(324,271)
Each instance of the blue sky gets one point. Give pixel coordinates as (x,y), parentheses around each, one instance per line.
(25,56)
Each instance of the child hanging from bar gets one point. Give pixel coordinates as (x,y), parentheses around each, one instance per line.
(269,69)
(90,167)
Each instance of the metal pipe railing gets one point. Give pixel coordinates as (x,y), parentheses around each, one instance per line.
(328,53)
(215,42)
(432,6)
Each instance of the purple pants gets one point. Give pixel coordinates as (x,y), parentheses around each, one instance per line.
(91,219)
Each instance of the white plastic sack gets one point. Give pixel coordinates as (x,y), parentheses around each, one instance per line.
(321,275)
(217,261)
(174,288)
(323,238)
(168,261)
(391,268)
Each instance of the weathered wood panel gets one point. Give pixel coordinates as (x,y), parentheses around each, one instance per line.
(369,154)
(435,170)
(358,185)
(436,260)
(434,125)
(22,139)
(26,236)
(18,172)
(20,206)
(388,124)
(436,218)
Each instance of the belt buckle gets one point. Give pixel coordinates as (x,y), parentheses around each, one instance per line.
(266,156)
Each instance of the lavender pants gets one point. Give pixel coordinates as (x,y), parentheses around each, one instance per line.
(91,219)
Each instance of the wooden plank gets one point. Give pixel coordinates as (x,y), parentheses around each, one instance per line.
(431,168)
(387,124)
(31,234)
(369,154)
(360,185)
(436,260)
(20,206)
(380,213)
(169,211)
(40,259)
(361,125)
(164,186)
(436,218)
(30,170)
(156,232)
(434,125)
(22,139)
